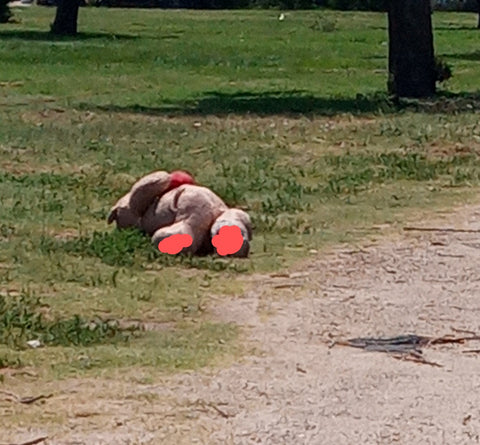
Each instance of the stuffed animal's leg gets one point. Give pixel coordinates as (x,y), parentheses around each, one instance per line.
(178,238)
(231,233)
(159,214)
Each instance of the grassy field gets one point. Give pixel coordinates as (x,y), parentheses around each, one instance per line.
(287,119)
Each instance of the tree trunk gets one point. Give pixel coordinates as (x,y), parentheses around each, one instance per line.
(5,12)
(65,23)
(478,23)
(411,61)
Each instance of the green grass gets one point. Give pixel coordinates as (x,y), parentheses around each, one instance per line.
(22,320)
(288,120)
(213,57)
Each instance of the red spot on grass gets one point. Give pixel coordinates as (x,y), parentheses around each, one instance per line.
(228,241)
(175,243)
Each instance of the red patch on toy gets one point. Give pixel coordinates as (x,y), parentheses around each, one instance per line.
(228,241)
(178,178)
(175,243)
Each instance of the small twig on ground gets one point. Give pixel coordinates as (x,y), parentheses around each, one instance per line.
(471,351)
(472,245)
(32,399)
(440,229)
(438,243)
(25,372)
(214,407)
(406,342)
(447,339)
(406,347)
(450,255)
(219,411)
(26,400)
(416,358)
(299,369)
(10,394)
(341,286)
(463,331)
(350,297)
(29,442)
(287,285)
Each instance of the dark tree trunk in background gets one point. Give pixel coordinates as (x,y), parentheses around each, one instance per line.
(5,12)
(411,61)
(65,23)
(478,24)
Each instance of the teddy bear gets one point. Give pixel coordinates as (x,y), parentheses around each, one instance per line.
(183,217)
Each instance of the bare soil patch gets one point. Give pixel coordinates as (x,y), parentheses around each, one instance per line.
(293,387)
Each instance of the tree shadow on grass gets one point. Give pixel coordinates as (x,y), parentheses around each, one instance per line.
(298,103)
(376,57)
(46,36)
(445,102)
(437,28)
(456,28)
(473,56)
(295,102)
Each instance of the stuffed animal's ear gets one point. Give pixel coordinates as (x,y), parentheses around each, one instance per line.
(113,215)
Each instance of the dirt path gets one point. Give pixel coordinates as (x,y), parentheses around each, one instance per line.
(299,390)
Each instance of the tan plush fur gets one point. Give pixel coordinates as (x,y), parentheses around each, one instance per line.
(186,209)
